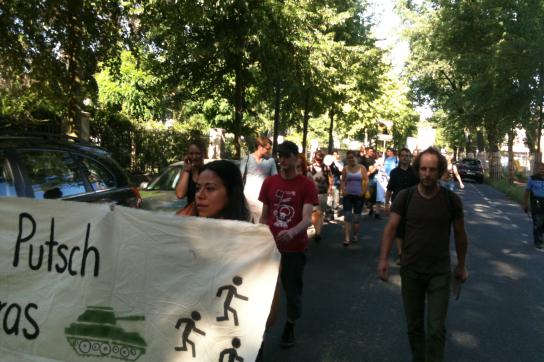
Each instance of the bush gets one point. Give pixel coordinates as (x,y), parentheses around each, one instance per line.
(512,191)
(140,149)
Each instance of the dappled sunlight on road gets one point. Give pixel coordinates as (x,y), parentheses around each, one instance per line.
(516,255)
(481,208)
(395,280)
(502,269)
(465,339)
(504,224)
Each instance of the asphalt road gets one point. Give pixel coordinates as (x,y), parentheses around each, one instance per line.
(349,315)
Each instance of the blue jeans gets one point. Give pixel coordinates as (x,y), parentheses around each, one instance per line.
(433,290)
(449,184)
(292,269)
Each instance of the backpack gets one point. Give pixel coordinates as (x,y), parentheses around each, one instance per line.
(401,229)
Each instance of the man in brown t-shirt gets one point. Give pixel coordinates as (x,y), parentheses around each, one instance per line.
(427,211)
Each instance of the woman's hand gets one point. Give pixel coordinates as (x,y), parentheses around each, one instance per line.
(187,166)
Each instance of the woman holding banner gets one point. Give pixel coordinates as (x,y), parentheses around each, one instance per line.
(219,193)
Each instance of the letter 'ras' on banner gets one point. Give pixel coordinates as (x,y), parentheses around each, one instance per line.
(82,280)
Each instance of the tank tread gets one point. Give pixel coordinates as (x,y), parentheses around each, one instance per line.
(90,347)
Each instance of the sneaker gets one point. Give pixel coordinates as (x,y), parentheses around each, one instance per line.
(539,247)
(355,239)
(288,335)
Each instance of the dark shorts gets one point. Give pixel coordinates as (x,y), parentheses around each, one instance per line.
(353,203)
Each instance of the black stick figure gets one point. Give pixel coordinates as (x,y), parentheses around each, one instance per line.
(231,292)
(231,352)
(189,327)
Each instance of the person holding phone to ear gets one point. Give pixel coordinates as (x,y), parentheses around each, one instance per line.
(194,160)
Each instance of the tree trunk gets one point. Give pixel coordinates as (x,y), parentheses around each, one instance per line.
(73,56)
(305,122)
(480,140)
(277,109)
(511,166)
(538,153)
(238,107)
(494,155)
(331,128)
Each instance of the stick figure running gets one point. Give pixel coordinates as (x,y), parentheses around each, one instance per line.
(231,352)
(190,326)
(232,291)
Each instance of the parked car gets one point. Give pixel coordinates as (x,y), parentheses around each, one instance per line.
(48,167)
(471,168)
(160,194)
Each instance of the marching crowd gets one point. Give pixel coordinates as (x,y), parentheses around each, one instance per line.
(418,201)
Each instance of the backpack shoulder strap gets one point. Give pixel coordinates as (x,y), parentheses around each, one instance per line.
(244,177)
(449,201)
(409,194)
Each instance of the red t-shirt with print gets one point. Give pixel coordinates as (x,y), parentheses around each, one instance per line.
(285,200)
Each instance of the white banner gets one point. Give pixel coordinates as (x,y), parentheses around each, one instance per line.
(382,180)
(83,282)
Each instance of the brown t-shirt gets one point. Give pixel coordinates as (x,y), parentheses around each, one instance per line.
(425,248)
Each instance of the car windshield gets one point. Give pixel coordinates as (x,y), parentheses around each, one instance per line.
(7,187)
(52,174)
(471,162)
(167,180)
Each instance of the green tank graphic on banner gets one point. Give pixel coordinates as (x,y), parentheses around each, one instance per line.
(97,334)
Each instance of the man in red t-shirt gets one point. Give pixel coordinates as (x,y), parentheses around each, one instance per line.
(288,199)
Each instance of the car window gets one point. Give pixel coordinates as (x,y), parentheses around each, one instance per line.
(7,186)
(166,181)
(52,174)
(471,162)
(97,175)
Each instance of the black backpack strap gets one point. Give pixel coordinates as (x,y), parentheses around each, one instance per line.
(407,199)
(409,194)
(244,177)
(449,201)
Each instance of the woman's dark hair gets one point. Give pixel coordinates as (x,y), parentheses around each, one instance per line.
(442,162)
(236,207)
(199,144)
(353,153)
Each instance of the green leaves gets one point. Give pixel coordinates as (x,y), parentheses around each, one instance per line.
(478,62)
(221,63)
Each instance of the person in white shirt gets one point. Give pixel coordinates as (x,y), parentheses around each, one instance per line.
(255,168)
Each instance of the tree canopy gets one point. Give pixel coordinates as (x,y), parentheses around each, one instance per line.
(305,67)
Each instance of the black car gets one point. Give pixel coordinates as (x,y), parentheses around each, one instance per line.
(45,167)
(471,168)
